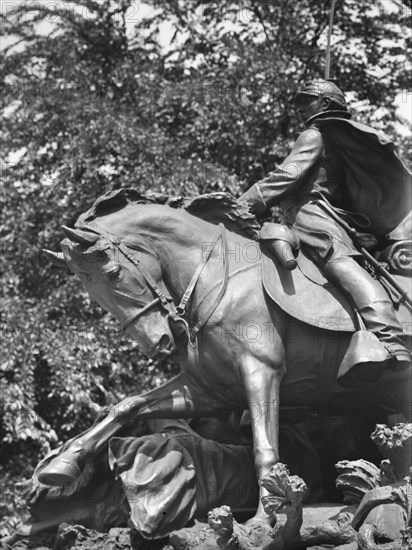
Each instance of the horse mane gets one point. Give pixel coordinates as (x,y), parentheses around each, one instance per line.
(215,208)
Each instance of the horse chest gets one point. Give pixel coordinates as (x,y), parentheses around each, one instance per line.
(211,375)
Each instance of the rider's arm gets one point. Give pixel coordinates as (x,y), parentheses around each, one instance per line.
(287,177)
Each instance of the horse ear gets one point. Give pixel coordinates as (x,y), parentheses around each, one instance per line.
(85,238)
(57,258)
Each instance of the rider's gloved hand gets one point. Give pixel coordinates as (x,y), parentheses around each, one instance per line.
(370,242)
(254,200)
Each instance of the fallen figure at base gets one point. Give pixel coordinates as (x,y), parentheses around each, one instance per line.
(160,475)
(158,481)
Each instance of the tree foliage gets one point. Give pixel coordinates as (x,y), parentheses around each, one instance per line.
(188,97)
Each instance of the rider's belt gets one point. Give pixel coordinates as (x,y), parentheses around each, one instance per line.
(358,221)
(280,242)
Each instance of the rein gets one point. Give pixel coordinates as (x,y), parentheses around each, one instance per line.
(176,313)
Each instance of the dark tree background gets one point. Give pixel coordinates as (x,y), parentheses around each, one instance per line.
(183,98)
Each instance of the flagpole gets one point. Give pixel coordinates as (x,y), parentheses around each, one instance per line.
(328,46)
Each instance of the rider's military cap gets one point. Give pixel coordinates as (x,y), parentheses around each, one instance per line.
(322,88)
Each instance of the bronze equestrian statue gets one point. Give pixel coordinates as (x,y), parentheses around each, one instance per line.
(138,261)
(343,167)
(176,281)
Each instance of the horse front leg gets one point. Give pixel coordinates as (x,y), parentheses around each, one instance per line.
(171,400)
(262,383)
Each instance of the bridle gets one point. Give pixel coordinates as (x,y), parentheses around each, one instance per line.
(176,313)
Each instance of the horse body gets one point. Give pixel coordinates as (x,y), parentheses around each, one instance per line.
(240,324)
(243,348)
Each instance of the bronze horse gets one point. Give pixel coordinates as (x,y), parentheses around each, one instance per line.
(237,348)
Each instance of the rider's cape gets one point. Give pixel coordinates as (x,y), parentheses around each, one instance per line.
(378,184)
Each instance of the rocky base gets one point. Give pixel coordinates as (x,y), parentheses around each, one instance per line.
(377,514)
(225,534)
(73,537)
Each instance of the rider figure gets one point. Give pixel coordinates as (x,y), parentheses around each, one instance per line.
(317,173)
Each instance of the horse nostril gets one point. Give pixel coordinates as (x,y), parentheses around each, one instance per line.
(165,345)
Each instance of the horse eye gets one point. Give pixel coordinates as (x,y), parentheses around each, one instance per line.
(114,274)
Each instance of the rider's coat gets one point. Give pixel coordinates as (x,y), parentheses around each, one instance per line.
(351,165)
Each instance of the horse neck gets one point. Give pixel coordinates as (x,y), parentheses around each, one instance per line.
(179,240)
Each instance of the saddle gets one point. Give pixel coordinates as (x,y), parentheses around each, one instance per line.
(297,285)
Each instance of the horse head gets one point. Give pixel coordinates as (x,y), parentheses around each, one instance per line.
(125,278)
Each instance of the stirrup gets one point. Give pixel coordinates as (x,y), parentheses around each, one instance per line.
(365,359)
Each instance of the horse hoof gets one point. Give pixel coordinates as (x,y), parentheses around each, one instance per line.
(60,471)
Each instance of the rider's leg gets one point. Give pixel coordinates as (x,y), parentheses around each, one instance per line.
(373,305)
(333,250)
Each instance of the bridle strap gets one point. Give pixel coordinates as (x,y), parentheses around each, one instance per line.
(133,318)
(181,308)
(175,312)
(196,328)
(161,297)
(165,300)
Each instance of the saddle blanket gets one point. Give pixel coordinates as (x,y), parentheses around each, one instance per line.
(307,295)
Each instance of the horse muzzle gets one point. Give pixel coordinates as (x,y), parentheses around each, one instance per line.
(164,347)
(152,333)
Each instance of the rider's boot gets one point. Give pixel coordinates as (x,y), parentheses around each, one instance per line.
(375,308)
